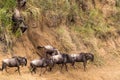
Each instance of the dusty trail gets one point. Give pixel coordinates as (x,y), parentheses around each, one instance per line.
(111,72)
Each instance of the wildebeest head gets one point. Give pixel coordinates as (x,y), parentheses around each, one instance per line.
(55,52)
(24,61)
(89,56)
(21,3)
(39,47)
(47,47)
(49,50)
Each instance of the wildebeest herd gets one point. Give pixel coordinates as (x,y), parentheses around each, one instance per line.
(53,56)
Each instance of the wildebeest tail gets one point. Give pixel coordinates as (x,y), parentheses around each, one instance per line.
(31,67)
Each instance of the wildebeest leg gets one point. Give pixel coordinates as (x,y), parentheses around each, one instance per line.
(18,70)
(40,71)
(34,69)
(50,68)
(66,67)
(6,69)
(59,65)
(73,65)
(84,64)
(62,66)
(31,70)
(45,70)
(4,66)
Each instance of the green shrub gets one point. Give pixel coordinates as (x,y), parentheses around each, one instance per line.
(5,12)
(117,3)
(8,4)
(6,7)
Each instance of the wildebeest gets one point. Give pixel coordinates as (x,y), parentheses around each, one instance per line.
(62,59)
(21,3)
(68,59)
(16,19)
(18,22)
(49,50)
(40,63)
(13,62)
(82,57)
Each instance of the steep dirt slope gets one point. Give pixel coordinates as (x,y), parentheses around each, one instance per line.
(87,26)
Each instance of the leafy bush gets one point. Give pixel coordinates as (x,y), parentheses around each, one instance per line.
(117,3)
(5,12)
(6,8)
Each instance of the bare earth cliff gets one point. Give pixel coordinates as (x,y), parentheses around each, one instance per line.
(72,26)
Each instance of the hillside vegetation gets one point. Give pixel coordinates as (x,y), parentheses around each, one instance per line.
(72,26)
